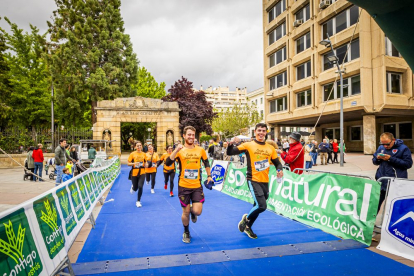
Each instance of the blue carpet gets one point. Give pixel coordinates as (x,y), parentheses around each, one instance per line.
(124,231)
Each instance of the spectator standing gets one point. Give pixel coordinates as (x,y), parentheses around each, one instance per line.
(285,146)
(61,158)
(308,155)
(279,144)
(302,142)
(92,153)
(335,149)
(38,161)
(74,156)
(323,151)
(30,163)
(224,151)
(67,149)
(295,156)
(393,158)
(330,151)
(315,153)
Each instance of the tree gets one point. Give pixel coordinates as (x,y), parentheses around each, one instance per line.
(231,121)
(195,110)
(147,87)
(27,94)
(5,88)
(91,58)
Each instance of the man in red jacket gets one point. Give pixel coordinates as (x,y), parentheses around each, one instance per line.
(295,157)
(38,160)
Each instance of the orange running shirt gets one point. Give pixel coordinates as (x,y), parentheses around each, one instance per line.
(189,161)
(167,168)
(154,161)
(137,157)
(259,155)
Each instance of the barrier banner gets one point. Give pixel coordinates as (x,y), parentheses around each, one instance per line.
(397,232)
(218,173)
(235,184)
(36,235)
(341,205)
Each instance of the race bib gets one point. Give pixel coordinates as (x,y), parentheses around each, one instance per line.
(138,165)
(190,174)
(261,165)
(154,164)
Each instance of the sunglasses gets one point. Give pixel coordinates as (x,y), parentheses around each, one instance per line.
(387,144)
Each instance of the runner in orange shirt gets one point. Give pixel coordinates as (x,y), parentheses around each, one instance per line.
(189,158)
(138,161)
(169,171)
(151,171)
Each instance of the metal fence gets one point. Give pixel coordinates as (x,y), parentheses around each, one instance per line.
(17,140)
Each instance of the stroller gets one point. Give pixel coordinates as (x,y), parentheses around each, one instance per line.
(51,164)
(27,172)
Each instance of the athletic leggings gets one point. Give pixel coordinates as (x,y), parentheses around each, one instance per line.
(152,177)
(260,193)
(170,175)
(138,184)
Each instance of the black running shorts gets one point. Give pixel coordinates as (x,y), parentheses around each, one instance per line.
(187,195)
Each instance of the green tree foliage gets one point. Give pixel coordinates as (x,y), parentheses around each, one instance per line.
(139,132)
(5,88)
(147,87)
(231,121)
(91,58)
(195,110)
(25,77)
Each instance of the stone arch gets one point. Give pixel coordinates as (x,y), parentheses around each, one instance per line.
(111,113)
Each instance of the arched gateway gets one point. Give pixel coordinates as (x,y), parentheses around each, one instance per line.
(110,115)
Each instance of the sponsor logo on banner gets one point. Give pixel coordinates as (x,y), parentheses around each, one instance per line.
(90,188)
(217,173)
(235,184)
(401,225)
(68,216)
(83,194)
(18,252)
(76,200)
(50,224)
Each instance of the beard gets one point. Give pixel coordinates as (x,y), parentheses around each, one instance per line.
(189,142)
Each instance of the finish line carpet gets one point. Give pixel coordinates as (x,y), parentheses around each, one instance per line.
(147,241)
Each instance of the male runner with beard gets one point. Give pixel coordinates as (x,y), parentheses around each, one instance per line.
(258,154)
(189,158)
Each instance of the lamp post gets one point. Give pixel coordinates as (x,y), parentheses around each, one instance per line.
(334,60)
(149,131)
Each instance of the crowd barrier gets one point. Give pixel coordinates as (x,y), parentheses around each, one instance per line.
(35,236)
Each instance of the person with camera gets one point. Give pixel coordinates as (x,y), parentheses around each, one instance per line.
(393,158)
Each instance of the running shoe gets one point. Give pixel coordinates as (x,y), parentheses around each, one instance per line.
(186,237)
(152,191)
(243,223)
(131,190)
(165,187)
(171,194)
(138,204)
(250,233)
(193,218)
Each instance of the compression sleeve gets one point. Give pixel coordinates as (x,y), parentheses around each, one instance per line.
(277,164)
(168,161)
(232,150)
(205,159)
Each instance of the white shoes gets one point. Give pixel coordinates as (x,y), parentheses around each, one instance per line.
(131,190)
(152,191)
(147,182)
(138,204)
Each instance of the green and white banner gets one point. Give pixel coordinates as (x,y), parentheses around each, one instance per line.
(35,236)
(341,205)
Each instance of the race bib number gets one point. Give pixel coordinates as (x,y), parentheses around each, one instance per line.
(261,165)
(154,165)
(191,174)
(139,165)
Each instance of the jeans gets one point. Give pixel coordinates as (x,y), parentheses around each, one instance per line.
(59,173)
(308,165)
(314,157)
(38,170)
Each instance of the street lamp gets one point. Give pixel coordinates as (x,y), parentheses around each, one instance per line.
(334,60)
(149,131)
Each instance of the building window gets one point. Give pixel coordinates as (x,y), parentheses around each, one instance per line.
(340,22)
(304,98)
(278,105)
(303,43)
(341,53)
(303,13)
(303,70)
(277,57)
(261,114)
(355,133)
(394,83)
(277,10)
(352,84)
(261,100)
(278,81)
(277,33)
(402,130)
(390,50)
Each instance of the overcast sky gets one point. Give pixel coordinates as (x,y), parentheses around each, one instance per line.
(210,42)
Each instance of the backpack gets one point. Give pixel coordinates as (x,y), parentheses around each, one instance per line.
(217,152)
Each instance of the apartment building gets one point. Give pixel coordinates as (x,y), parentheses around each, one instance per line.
(222,97)
(298,77)
(257,98)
